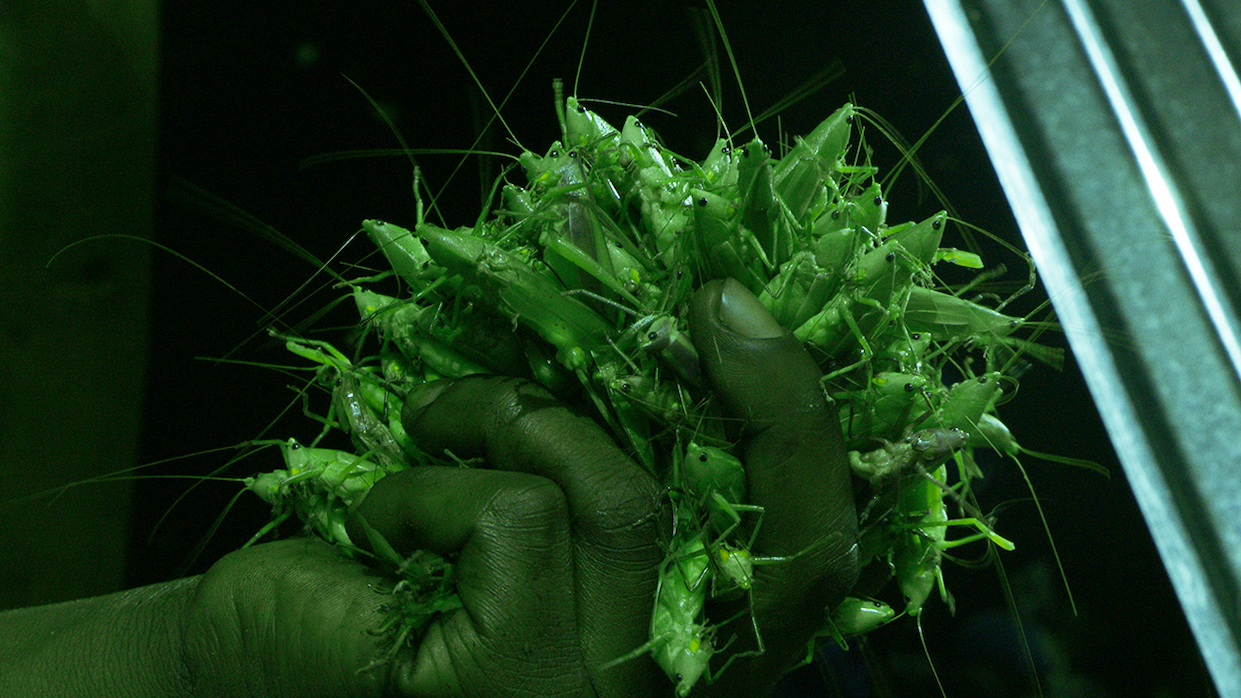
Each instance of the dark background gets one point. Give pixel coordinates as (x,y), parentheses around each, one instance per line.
(251,89)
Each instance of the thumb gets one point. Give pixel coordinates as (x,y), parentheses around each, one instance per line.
(794,453)
(760,371)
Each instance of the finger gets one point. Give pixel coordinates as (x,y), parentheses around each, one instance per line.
(794,452)
(614,505)
(517,628)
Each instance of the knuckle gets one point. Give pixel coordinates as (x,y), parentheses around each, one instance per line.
(534,503)
(629,505)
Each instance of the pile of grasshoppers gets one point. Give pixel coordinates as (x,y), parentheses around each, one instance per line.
(580,282)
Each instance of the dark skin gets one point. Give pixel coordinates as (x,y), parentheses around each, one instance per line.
(557,544)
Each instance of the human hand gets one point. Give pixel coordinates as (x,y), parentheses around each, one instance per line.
(556,541)
(556,551)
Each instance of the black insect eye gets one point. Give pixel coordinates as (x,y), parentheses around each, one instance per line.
(581,109)
(702,457)
(849,119)
(652,336)
(982,380)
(916,336)
(909,387)
(890,256)
(836,214)
(878,200)
(702,201)
(380,224)
(726,150)
(937,223)
(554,154)
(625,387)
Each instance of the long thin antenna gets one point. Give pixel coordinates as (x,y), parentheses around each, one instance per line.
(719,25)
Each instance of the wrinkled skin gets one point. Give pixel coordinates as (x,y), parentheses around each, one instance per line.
(556,543)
